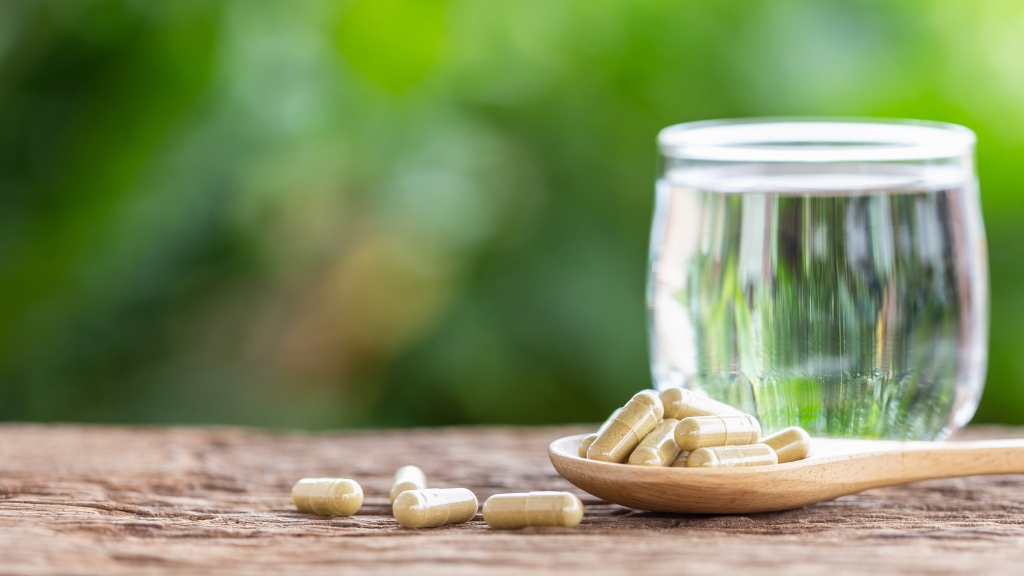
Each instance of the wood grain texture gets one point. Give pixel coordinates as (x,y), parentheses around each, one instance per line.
(106,500)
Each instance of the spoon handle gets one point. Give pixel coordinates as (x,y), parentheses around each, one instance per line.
(951,459)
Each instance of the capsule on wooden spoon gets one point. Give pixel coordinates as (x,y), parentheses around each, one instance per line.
(635,421)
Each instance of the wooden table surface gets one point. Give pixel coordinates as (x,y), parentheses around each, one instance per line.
(117,500)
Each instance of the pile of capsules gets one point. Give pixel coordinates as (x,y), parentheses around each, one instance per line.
(682,428)
(416,506)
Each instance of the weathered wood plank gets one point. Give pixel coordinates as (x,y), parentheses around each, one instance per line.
(109,500)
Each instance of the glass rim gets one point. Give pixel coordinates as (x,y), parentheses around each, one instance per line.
(815,139)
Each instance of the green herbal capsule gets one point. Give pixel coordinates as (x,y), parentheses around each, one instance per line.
(732,456)
(703,431)
(681,403)
(512,511)
(658,448)
(790,444)
(680,461)
(589,438)
(327,496)
(635,421)
(407,478)
(434,507)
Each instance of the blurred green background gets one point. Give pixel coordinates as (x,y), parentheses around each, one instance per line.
(413,212)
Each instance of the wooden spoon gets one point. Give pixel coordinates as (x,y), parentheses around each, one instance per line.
(834,468)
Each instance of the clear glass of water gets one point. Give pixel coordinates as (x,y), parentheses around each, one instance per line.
(829,274)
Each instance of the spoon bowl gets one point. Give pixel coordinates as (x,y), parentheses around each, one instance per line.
(834,468)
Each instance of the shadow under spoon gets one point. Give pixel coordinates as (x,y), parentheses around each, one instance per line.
(834,468)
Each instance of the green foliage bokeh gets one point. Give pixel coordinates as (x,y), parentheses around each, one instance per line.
(407,212)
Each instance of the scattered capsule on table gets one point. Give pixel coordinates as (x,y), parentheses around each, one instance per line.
(512,511)
(635,421)
(790,444)
(327,496)
(300,493)
(682,403)
(658,448)
(432,507)
(732,456)
(589,438)
(703,431)
(680,461)
(407,478)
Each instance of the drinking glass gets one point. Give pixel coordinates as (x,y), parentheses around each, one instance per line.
(824,273)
